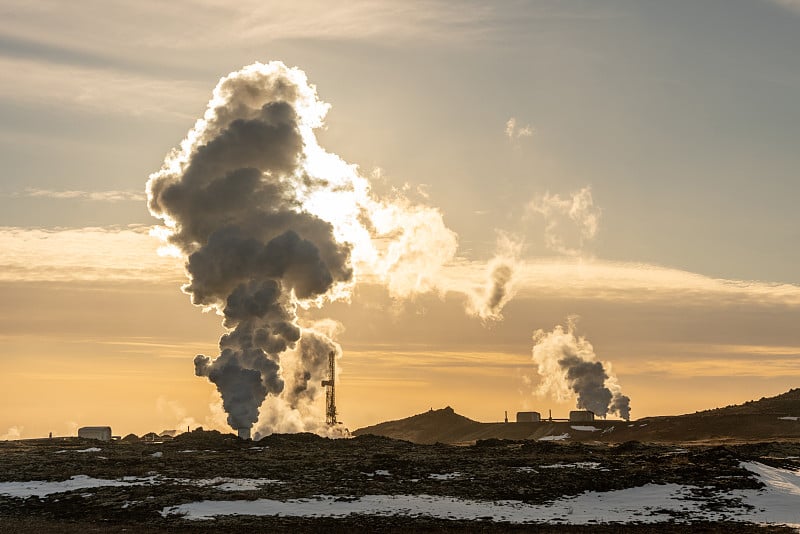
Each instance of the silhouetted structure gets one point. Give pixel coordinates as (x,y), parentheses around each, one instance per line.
(330,393)
(581,415)
(528,417)
(103,433)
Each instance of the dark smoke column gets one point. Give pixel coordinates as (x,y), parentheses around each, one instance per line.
(568,367)
(232,201)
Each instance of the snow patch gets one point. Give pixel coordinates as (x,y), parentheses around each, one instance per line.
(576,465)
(445,476)
(378,473)
(651,503)
(525,469)
(230,484)
(788,418)
(42,488)
(581,428)
(560,437)
(90,449)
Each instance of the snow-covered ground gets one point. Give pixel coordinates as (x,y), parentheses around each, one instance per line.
(444,476)
(379,473)
(90,449)
(230,484)
(777,503)
(576,465)
(43,488)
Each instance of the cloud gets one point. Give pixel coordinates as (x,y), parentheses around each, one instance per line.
(99,196)
(623,281)
(570,222)
(762,367)
(792,5)
(153,24)
(98,90)
(514,132)
(93,253)
(128,253)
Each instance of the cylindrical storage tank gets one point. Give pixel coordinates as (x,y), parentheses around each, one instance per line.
(581,415)
(103,433)
(528,417)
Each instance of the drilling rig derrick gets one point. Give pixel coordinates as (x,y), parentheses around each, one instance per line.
(330,392)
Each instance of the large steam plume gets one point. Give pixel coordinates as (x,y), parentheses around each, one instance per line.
(568,366)
(269,223)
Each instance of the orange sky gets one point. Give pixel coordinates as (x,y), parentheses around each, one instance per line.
(120,354)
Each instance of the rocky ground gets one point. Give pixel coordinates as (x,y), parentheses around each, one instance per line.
(144,480)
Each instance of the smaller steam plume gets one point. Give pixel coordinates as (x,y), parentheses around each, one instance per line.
(300,406)
(569,367)
(488,303)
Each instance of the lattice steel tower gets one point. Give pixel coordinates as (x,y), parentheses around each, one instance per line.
(330,393)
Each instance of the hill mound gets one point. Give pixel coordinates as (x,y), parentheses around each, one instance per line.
(433,426)
(773,418)
(785,404)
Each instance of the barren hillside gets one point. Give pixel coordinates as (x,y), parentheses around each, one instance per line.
(771,418)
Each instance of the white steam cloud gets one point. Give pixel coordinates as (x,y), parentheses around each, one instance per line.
(569,222)
(13,433)
(270,223)
(515,132)
(488,302)
(569,368)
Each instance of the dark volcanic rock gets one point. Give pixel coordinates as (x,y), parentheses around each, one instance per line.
(192,467)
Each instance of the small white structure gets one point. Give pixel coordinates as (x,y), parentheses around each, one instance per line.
(528,417)
(103,433)
(581,415)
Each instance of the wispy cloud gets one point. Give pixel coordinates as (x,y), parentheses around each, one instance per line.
(99,90)
(99,196)
(132,253)
(570,221)
(514,131)
(624,281)
(94,253)
(717,367)
(99,25)
(793,5)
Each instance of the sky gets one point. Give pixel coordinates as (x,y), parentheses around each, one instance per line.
(633,163)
